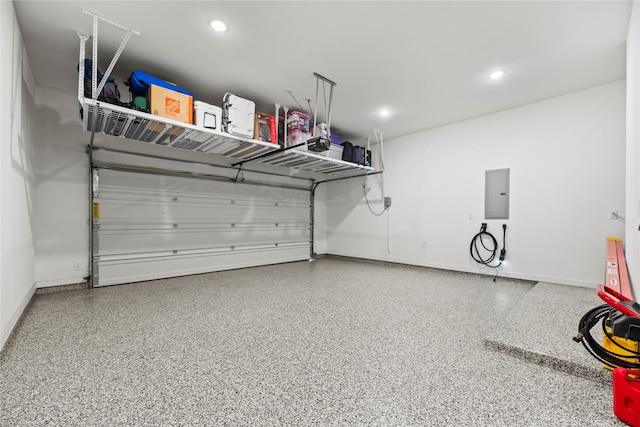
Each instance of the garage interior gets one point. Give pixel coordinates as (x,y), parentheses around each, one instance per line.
(181,276)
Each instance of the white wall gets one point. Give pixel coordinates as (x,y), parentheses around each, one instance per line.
(567,162)
(62,192)
(17,221)
(632,240)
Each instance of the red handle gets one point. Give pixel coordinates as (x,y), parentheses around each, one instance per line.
(636,375)
(613,299)
(615,293)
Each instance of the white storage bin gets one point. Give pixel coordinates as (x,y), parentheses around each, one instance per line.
(240,115)
(207,116)
(334,152)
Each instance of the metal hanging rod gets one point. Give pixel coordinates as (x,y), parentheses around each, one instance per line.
(380,141)
(327,107)
(96,87)
(108,21)
(321,77)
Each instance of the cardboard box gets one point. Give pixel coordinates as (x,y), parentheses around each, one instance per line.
(170,104)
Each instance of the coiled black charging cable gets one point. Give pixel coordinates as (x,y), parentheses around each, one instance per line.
(480,239)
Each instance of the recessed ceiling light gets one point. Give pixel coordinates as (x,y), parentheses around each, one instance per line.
(496,74)
(384,112)
(218,25)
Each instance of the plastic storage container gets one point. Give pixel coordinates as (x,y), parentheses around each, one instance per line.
(207,116)
(334,152)
(239,115)
(298,120)
(297,127)
(297,136)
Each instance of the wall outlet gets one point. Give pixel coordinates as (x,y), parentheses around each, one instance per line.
(76,266)
(387,202)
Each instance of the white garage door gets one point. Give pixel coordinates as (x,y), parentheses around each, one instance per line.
(150,226)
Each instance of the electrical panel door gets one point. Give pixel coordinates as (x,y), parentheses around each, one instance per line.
(496,196)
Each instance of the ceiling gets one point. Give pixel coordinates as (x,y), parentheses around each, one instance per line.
(427,62)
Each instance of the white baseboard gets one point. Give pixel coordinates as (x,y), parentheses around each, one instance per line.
(473,270)
(59,282)
(6,330)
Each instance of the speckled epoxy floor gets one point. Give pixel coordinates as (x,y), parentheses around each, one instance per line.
(335,342)
(540,328)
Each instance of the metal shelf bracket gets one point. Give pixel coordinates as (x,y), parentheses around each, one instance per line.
(96,87)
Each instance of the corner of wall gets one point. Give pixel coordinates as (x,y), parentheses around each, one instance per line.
(15,318)
(17,187)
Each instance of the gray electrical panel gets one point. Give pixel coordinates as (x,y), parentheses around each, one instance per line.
(496,194)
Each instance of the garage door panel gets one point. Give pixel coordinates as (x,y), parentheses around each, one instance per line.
(154,226)
(119,271)
(148,241)
(133,211)
(199,225)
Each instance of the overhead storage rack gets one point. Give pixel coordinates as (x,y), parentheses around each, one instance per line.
(114,120)
(312,162)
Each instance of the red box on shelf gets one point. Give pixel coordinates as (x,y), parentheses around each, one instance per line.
(265,128)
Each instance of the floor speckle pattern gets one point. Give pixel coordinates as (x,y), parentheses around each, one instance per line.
(333,342)
(540,328)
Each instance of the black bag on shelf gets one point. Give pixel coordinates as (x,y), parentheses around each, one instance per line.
(359,154)
(347,151)
(109,93)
